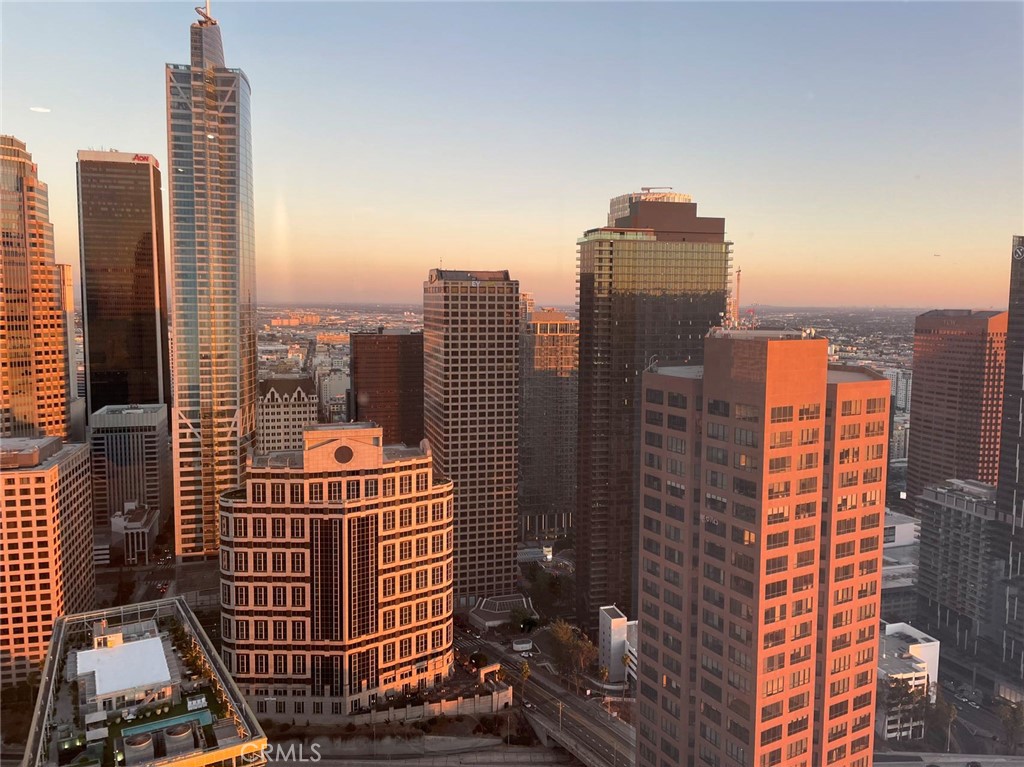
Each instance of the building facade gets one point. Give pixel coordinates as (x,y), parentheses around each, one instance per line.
(902,380)
(131,461)
(33,366)
(470,415)
(957,400)
(286,406)
(48,570)
(124,282)
(213,421)
(336,571)
(387,384)
(548,384)
(961,562)
(901,553)
(651,285)
(762,499)
(331,386)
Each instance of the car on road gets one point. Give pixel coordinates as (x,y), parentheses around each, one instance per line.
(972,704)
(974,764)
(528,705)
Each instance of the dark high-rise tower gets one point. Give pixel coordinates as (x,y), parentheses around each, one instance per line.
(651,285)
(548,369)
(387,384)
(124,314)
(213,422)
(33,390)
(1010,491)
(957,398)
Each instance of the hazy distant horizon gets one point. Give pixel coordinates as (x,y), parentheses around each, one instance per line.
(743,307)
(860,153)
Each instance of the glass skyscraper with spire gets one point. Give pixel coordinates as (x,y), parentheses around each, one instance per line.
(209,149)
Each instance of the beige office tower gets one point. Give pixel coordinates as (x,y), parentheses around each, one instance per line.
(336,567)
(470,413)
(47,551)
(33,373)
(762,495)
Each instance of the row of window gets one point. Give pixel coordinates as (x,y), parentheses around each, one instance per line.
(337,490)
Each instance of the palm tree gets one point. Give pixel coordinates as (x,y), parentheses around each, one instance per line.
(949,714)
(1012,717)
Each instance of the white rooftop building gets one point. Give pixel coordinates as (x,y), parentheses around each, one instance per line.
(611,645)
(910,655)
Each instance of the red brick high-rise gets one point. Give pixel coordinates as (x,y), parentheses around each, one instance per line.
(387,384)
(762,496)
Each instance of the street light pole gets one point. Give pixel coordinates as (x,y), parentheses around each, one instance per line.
(560,704)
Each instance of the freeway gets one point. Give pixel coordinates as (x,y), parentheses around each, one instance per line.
(582,718)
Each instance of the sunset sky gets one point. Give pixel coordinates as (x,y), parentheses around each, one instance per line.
(846,145)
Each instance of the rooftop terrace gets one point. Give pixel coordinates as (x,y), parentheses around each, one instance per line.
(140,685)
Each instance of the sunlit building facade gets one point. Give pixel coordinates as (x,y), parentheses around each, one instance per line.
(33,368)
(124,285)
(213,422)
(336,568)
(47,555)
(761,517)
(957,399)
(651,285)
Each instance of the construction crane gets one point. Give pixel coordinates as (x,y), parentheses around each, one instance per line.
(652,188)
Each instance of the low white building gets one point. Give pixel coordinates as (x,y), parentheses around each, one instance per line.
(124,671)
(614,644)
(910,655)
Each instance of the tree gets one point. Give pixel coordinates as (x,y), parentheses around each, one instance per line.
(524,674)
(939,716)
(899,698)
(1012,717)
(574,652)
(602,674)
(625,673)
(564,637)
(584,655)
(478,659)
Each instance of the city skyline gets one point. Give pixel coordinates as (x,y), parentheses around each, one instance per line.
(799,140)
